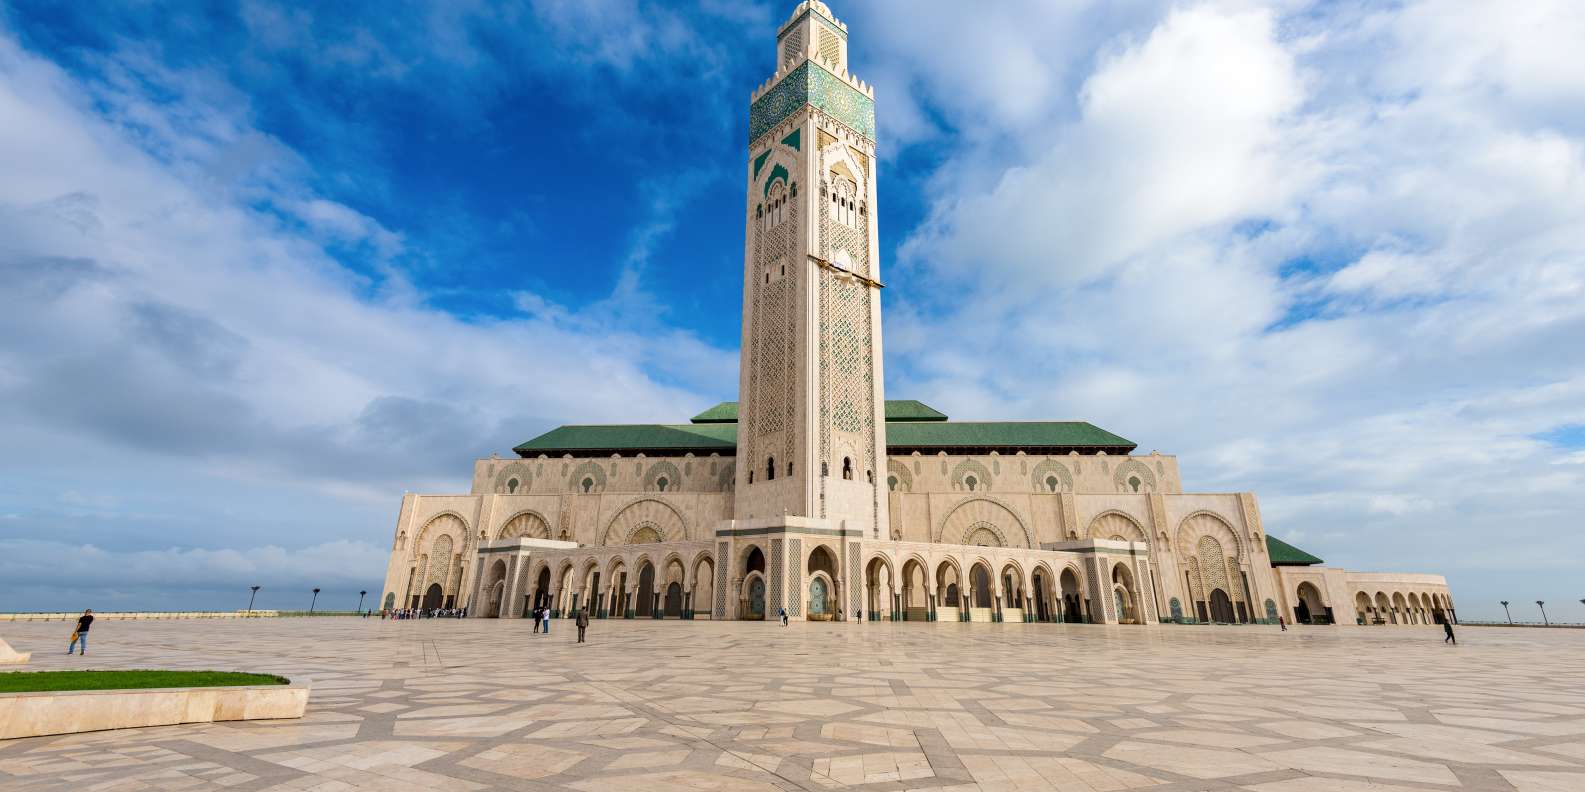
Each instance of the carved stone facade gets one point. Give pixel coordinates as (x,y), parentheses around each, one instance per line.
(818,498)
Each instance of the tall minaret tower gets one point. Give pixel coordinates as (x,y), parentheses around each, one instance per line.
(811,443)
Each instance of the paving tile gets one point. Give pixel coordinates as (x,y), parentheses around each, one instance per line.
(731,706)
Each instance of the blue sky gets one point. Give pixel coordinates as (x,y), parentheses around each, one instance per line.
(265,267)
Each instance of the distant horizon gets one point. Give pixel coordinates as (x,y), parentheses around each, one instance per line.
(268,267)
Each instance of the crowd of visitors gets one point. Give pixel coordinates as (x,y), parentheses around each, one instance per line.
(425,613)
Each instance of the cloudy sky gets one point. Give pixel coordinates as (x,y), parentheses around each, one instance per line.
(263,268)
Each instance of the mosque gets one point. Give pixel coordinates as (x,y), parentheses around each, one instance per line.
(816,495)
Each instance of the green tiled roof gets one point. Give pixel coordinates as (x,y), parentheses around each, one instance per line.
(896,410)
(1003,436)
(715,430)
(910,410)
(1284,554)
(632,438)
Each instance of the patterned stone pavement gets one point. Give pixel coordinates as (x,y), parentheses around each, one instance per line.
(462,705)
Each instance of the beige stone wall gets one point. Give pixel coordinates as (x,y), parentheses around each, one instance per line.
(560,475)
(1039,473)
(615,515)
(1396,598)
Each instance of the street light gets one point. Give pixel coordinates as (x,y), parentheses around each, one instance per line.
(251,596)
(1542,605)
(1505,610)
(316,599)
(360,600)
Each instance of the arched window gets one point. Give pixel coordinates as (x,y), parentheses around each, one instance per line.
(825,469)
(661,483)
(789,468)
(511,486)
(970,481)
(847,468)
(588,484)
(1133,481)
(1051,483)
(770,469)
(778,200)
(869,475)
(891,483)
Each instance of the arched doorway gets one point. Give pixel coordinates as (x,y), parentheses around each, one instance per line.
(1309,609)
(645,607)
(433,597)
(1042,582)
(1222,607)
(701,601)
(880,593)
(950,605)
(673,600)
(820,604)
(915,593)
(824,601)
(390,601)
(980,593)
(1072,598)
(1384,609)
(754,609)
(753,604)
(1013,594)
(616,596)
(497,594)
(542,588)
(1125,596)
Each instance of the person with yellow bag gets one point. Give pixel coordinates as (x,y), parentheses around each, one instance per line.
(81,633)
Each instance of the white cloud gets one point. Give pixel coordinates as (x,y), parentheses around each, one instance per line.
(1330,255)
(169,300)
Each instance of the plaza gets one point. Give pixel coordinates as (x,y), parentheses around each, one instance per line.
(475,704)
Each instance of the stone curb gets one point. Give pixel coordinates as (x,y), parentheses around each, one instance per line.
(70,712)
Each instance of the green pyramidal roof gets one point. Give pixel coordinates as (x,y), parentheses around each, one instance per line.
(896,410)
(1284,554)
(910,426)
(650,439)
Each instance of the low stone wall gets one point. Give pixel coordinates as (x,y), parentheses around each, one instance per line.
(39,714)
(241,614)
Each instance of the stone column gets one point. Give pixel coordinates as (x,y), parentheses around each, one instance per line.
(1100,592)
(509,588)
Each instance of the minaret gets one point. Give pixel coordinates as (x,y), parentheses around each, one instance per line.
(811,427)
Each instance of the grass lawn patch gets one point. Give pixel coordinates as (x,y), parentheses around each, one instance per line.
(49,681)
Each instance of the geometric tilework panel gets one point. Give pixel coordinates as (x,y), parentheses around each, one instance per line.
(777,576)
(795,592)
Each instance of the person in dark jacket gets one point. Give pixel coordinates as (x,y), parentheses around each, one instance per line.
(80,635)
(582,621)
(1447,627)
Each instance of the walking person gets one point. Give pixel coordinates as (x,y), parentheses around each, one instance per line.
(1447,627)
(1283,623)
(582,621)
(784,617)
(536,620)
(81,633)
(544,613)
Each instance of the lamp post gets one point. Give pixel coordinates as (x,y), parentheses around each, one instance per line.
(316,599)
(251,596)
(1505,610)
(360,600)
(1542,605)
